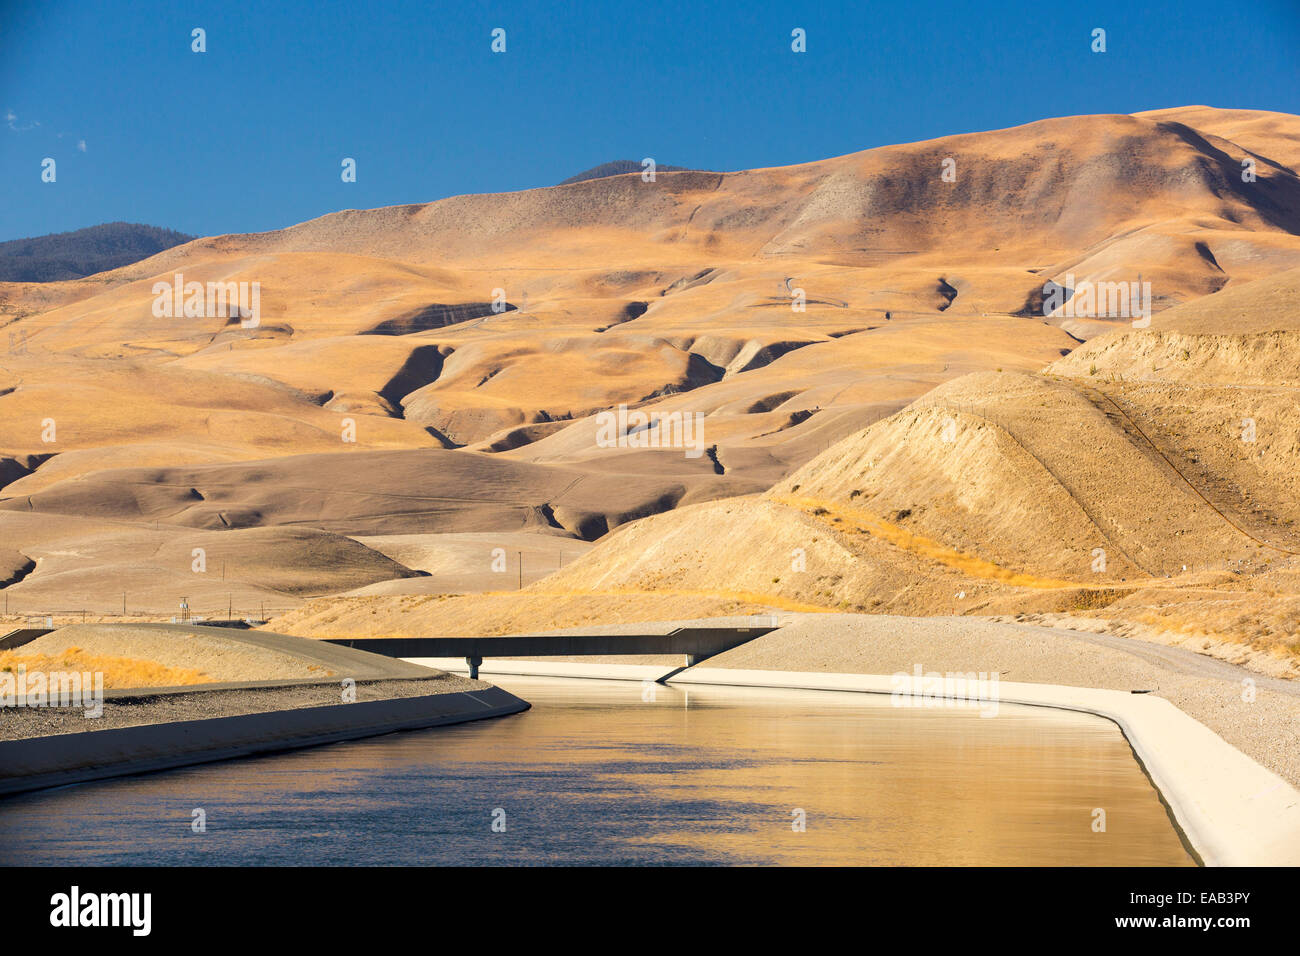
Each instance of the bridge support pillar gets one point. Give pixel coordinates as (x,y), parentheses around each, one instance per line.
(473,663)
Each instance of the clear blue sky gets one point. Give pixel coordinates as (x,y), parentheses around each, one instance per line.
(249,135)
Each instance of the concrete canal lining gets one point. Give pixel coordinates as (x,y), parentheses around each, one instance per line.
(34,763)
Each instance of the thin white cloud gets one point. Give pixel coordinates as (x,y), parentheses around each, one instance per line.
(11,118)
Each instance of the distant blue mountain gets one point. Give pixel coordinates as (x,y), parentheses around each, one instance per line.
(617,168)
(73,255)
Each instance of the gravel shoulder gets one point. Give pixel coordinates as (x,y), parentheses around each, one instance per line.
(155,708)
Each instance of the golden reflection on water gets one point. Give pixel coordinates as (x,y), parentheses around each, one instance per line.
(596,773)
(878,784)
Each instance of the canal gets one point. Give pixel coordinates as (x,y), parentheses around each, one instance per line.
(624,773)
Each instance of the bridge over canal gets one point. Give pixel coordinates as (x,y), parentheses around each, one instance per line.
(693,643)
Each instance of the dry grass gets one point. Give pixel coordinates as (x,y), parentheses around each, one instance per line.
(1270,629)
(1236,625)
(748,599)
(1092,599)
(205,657)
(867,523)
(119,672)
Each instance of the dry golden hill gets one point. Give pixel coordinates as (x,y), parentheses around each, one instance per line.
(1272,137)
(443,368)
(619,290)
(1104,486)
(359,493)
(102,565)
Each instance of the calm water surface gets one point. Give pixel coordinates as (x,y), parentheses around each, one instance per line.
(594,774)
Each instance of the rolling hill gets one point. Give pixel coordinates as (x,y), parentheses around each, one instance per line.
(881,398)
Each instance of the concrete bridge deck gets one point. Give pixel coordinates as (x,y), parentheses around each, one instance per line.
(21,636)
(693,643)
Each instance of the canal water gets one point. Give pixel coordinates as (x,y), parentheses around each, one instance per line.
(624,773)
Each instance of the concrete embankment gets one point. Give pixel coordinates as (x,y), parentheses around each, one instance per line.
(37,762)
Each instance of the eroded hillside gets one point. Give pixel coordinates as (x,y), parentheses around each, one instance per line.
(887,418)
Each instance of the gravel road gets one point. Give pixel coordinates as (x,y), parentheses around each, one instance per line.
(153,708)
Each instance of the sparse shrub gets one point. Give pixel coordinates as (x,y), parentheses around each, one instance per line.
(1093,599)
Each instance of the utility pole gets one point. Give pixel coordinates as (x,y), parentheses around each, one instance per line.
(521,569)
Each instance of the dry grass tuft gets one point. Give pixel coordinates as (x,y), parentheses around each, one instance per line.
(119,672)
